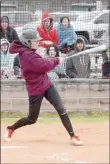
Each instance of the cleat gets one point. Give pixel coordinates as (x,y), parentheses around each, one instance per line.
(76,141)
(8,135)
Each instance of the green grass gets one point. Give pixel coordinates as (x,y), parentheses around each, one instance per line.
(78,117)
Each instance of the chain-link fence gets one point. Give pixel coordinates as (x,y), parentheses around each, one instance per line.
(88,19)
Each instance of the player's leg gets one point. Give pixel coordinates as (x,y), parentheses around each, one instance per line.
(53,97)
(34,109)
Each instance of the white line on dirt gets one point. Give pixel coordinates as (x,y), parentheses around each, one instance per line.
(12,147)
(56,156)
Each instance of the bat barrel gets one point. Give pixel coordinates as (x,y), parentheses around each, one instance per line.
(90,51)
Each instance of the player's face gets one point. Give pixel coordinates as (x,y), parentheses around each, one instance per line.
(34,44)
(52,52)
(80,46)
(65,22)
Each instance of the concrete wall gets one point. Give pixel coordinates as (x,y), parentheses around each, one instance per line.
(77,94)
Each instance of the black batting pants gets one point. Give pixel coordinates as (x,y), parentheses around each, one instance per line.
(35,102)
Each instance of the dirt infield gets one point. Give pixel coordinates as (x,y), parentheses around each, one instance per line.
(50,143)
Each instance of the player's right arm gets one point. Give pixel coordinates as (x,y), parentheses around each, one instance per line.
(42,65)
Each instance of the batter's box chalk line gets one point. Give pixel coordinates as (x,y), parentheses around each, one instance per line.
(57,156)
(12,147)
(80,162)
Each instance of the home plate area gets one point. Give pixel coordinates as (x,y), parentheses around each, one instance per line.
(43,143)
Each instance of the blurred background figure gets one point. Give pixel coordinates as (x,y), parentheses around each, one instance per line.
(60,70)
(78,66)
(6,31)
(6,59)
(53,51)
(106,69)
(106,54)
(46,30)
(17,67)
(66,35)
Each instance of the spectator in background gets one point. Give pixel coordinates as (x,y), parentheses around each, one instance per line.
(59,71)
(6,59)
(78,66)
(6,31)
(17,67)
(46,30)
(106,54)
(66,35)
(106,69)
